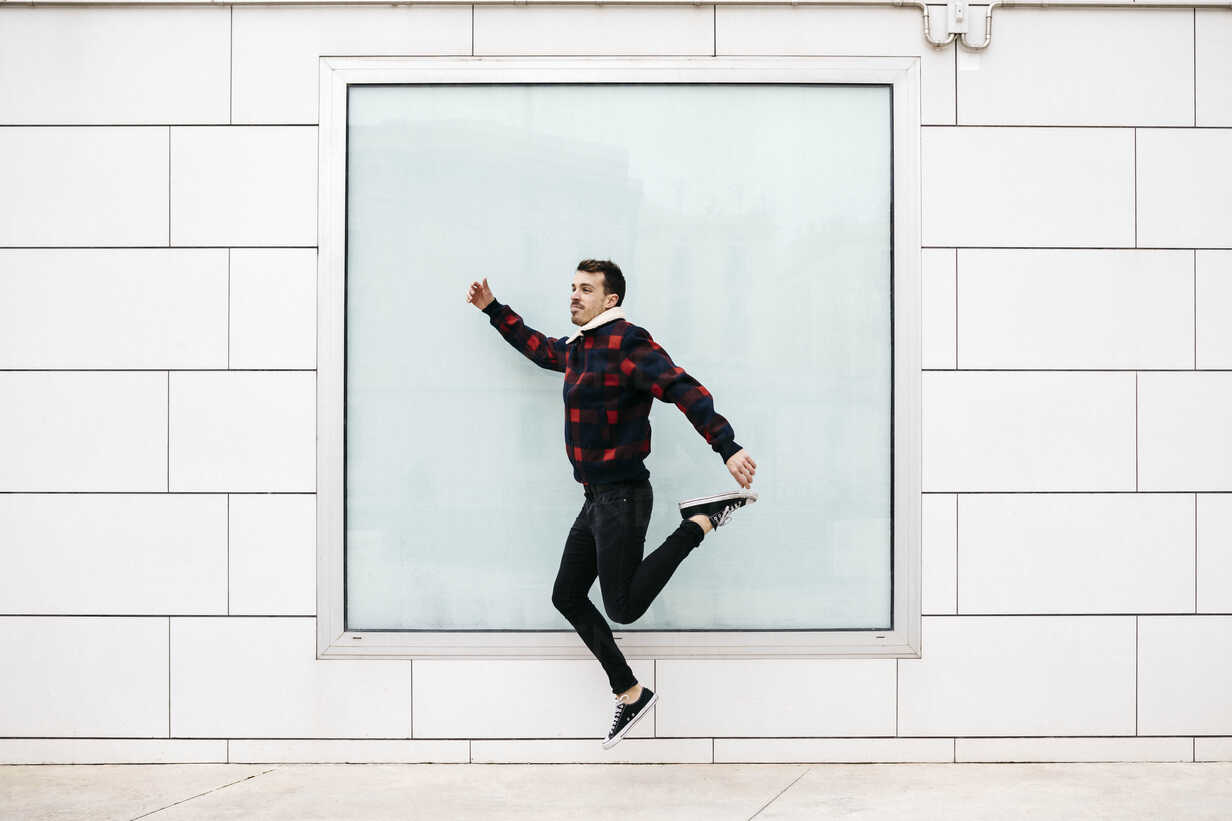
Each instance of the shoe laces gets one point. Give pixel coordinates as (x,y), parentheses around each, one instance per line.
(620,709)
(722,516)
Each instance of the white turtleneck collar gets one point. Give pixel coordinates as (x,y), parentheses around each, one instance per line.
(615,312)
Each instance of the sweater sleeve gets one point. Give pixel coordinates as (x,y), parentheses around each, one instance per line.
(545,351)
(650,369)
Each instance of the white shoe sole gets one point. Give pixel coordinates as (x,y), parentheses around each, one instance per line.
(611,742)
(719,497)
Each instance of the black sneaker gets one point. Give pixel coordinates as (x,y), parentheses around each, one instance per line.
(627,715)
(717,508)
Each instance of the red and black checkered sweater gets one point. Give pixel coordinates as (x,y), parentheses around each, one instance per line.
(611,373)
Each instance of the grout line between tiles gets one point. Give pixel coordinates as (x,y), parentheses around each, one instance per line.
(897,664)
(955,309)
(168,442)
(168,186)
(956,553)
(228,554)
(228,309)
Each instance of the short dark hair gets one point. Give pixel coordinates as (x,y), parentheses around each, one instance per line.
(613,279)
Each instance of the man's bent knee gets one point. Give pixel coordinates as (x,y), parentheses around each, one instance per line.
(564,602)
(620,615)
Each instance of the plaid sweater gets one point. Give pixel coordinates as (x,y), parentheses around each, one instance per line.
(612,371)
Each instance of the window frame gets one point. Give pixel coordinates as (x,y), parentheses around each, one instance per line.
(902,74)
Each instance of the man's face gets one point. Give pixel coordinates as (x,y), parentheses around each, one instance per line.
(588,300)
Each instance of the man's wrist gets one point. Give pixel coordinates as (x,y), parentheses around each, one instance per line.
(492,307)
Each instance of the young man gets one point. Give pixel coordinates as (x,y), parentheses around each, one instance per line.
(613,369)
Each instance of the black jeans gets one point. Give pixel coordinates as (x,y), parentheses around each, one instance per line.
(606,540)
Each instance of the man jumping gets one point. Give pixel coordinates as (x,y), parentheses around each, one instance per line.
(613,369)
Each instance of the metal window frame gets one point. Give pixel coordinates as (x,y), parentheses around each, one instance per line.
(902,74)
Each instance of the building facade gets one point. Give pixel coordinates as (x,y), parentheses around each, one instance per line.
(159,296)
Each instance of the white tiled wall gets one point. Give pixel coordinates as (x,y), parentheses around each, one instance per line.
(157,400)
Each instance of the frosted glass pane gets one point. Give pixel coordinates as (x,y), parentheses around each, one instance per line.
(752,223)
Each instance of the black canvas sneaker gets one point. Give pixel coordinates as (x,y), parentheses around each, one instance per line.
(627,715)
(717,508)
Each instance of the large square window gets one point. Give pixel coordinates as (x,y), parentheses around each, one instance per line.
(756,208)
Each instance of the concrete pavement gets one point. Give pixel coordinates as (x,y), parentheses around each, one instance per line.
(580,792)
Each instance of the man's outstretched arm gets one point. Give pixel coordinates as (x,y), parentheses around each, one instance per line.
(650,369)
(545,351)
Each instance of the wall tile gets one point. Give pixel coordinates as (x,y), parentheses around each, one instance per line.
(243,185)
(1213,749)
(85,431)
(1213,306)
(1213,67)
(273,557)
(1184,675)
(273,308)
(1184,187)
(1037,308)
(1214,549)
(1086,67)
(114,65)
(1028,187)
(113,553)
(104,185)
(833,750)
(938,296)
(243,431)
(590,751)
(80,676)
(348,751)
(113,308)
(1003,431)
(697,697)
(112,751)
(1184,442)
(1076,553)
(1020,675)
(939,548)
(1074,749)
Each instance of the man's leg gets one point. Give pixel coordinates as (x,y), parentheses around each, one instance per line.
(629,582)
(569,595)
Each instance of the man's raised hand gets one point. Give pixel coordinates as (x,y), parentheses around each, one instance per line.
(742,467)
(480,294)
